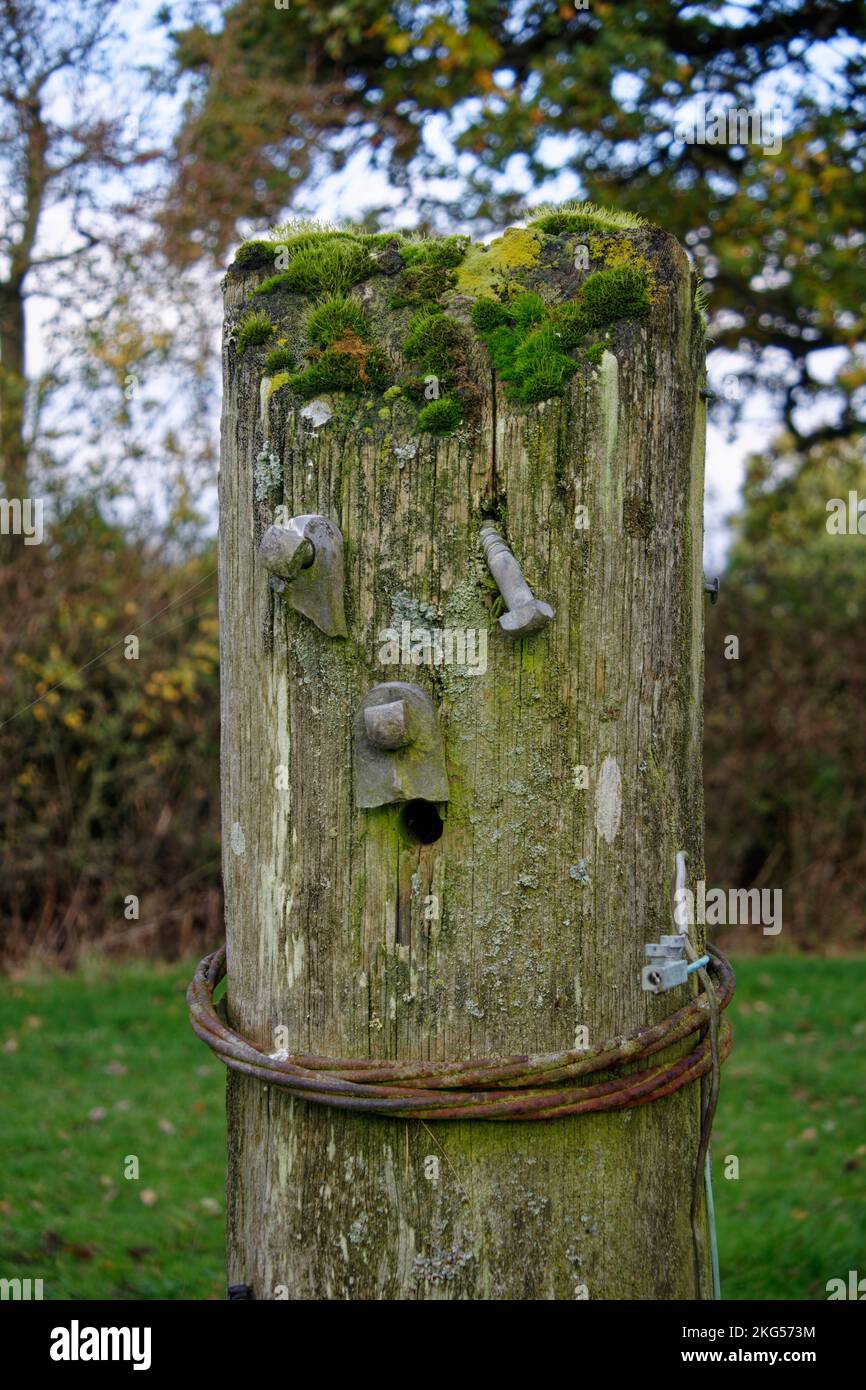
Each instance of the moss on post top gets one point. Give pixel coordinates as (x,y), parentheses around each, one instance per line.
(342,311)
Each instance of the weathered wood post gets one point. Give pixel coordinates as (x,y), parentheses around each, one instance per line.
(573,760)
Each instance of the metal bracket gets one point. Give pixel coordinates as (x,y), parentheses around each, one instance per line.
(398,747)
(668,967)
(305,558)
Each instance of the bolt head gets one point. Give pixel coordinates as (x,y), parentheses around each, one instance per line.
(529,617)
(387,726)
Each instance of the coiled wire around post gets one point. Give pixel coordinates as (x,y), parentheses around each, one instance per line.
(537,1087)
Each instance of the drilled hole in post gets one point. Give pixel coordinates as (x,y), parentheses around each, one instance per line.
(422,822)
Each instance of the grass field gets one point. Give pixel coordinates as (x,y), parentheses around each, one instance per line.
(100,1067)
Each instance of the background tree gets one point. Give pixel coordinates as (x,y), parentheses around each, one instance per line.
(107,414)
(785,737)
(520,94)
(82,160)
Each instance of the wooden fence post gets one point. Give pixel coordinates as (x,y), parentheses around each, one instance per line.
(573,764)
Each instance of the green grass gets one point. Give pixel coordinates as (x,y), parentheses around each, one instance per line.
(791,1110)
(103,1065)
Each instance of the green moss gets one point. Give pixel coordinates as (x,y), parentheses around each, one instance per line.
(281,359)
(432,340)
(540,369)
(503,343)
(334,317)
(255,329)
(528,309)
(701,303)
(339,370)
(254,254)
(485,269)
(423,284)
(488,314)
(614,294)
(529,342)
(579,217)
(280,379)
(440,417)
(571,323)
(301,231)
(555,223)
(429,251)
(325,264)
(594,354)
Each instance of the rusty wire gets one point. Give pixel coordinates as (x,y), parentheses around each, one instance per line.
(511,1088)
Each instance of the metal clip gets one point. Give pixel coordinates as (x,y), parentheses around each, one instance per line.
(305,558)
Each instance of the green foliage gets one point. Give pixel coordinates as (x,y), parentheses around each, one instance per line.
(281,359)
(785,760)
(255,330)
(110,762)
(440,417)
(334,317)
